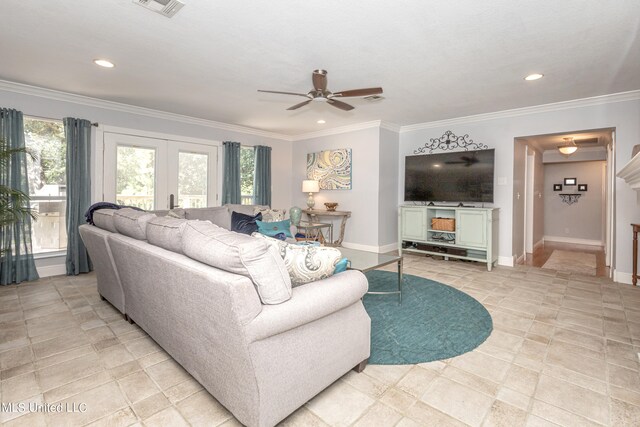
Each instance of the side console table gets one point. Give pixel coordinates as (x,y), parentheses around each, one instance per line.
(312,214)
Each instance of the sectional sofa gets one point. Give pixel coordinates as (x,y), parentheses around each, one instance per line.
(261,350)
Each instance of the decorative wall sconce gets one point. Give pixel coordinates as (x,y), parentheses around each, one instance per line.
(570,198)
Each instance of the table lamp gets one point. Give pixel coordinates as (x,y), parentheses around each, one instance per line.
(310,186)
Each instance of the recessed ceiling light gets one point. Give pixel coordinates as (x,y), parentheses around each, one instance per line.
(321,122)
(104,63)
(534,76)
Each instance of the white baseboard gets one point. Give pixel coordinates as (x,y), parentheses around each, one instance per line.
(371,248)
(622,277)
(519,260)
(538,244)
(388,248)
(573,240)
(52,270)
(506,261)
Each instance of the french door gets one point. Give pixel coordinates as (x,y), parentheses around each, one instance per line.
(152,173)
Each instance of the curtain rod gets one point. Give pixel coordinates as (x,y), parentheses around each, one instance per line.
(31,116)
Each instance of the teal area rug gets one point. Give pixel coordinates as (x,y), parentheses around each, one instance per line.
(434,321)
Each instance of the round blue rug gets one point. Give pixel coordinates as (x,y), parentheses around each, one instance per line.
(434,321)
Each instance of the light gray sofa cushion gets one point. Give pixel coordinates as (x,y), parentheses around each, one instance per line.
(103,218)
(245,209)
(240,254)
(132,223)
(219,215)
(166,232)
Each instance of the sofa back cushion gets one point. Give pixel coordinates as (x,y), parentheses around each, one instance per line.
(166,232)
(103,218)
(219,215)
(132,223)
(245,209)
(240,254)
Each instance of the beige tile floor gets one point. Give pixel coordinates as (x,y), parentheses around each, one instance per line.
(563,352)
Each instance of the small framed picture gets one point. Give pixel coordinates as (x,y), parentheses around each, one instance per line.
(557,187)
(570,181)
(582,187)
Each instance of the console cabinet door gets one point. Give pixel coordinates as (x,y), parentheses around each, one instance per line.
(471,228)
(414,224)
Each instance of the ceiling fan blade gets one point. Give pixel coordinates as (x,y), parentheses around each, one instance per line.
(359,92)
(319,79)
(302,104)
(341,105)
(284,93)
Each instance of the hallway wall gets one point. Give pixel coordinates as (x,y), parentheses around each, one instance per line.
(581,222)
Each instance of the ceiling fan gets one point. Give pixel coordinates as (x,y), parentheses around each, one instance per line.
(320,93)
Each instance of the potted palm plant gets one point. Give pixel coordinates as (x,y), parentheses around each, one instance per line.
(14,204)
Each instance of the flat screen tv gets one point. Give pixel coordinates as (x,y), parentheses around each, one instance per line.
(463,176)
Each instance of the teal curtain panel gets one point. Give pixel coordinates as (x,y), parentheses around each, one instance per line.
(231,178)
(78,136)
(262,176)
(16,256)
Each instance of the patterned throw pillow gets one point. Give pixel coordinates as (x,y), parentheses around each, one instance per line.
(245,224)
(270,215)
(273,228)
(305,263)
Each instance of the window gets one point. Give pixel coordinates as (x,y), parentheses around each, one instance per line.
(247,166)
(47,183)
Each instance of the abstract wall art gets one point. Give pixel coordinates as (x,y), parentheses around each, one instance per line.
(332,168)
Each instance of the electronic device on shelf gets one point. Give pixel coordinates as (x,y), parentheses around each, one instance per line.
(460,177)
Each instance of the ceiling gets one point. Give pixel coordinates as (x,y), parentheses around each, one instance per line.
(435,60)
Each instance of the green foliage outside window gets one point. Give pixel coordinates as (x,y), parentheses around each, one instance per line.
(247,163)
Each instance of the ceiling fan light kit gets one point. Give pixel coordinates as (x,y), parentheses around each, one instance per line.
(320,93)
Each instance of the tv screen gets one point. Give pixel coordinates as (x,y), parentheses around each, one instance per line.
(463,176)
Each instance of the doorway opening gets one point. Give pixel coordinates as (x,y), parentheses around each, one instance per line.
(563,215)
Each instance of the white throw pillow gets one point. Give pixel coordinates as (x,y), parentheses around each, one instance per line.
(271,215)
(305,263)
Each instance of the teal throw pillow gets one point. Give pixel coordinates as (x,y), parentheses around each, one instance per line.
(341,266)
(273,228)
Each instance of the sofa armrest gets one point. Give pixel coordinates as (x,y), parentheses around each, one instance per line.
(308,303)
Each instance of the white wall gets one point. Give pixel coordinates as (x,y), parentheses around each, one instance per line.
(388,190)
(52,105)
(519,192)
(499,130)
(538,198)
(32,105)
(581,222)
(362,200)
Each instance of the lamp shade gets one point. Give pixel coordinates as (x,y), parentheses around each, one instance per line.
(310,186)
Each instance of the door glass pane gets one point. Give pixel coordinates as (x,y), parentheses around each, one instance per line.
(135,179)
(192,180)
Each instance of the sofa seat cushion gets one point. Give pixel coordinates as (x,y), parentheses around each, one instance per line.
(218,215)
(103,218)
(132,223)
(166,232)
(305,263)
(240,254)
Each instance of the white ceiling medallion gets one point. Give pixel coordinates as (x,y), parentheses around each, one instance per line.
(167,8)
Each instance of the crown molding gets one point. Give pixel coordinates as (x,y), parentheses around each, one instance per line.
(337,130)
(132,109)
(556,106)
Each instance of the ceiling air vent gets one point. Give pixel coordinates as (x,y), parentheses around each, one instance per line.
(167,8)
(587,142)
